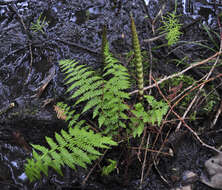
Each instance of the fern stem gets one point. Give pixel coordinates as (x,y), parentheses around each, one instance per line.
(138,56)
(104,42)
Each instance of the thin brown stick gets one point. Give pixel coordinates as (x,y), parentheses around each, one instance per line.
(179,73)
(151,150)
(90,172)
(185,124)
(160,174)
(141,144)
(217,115)
(144,162)
(154,38)
(201,87)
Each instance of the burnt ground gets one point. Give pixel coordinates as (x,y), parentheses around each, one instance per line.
(74,31)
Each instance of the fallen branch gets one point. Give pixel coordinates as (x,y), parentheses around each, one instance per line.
(201,87)
(185,124)
(179,73)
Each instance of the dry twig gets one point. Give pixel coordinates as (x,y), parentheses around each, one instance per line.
(201,87)
(179,73)
(185,124)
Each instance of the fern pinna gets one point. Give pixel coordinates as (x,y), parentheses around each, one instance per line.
(75,147)
(106,97)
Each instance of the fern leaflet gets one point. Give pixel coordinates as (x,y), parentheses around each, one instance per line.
(75,147)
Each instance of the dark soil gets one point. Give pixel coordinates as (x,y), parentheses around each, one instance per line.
(74,31)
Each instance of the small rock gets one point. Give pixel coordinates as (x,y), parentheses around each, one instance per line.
(214,170)
(189,177)
(187,187)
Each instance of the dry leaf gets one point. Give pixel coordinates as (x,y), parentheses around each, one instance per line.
(60,113)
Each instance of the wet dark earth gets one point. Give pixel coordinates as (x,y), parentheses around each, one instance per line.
(73,30)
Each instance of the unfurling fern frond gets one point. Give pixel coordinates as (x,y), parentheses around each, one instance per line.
(104,42)
(77,147)
(138,57)
(106,170)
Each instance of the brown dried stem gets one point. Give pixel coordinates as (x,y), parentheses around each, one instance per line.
(179,73)
(185,124)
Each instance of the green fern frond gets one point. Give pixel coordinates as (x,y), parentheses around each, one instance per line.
(159,109)
(138,57)
(105,96)
(113,107)
(106,170)
(137,121)
(153,116)
(87,86)
(74,148)
(172,26)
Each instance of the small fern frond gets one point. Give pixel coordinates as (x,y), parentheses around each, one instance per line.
(87,86)
(75,147)
(112,105)
(106,170)
(138,57)
(172,26)
(137,121)
(159,109)
(141,117)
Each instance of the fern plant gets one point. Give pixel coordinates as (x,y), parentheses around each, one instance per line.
(39,25)
(141,117)
(75,147)
(106,170)
(172,27)
(105,96)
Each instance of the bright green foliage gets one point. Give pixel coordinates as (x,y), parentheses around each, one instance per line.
(75,147)
(138,57)
(159,109)
(39,25)
(81,79)
(106,170)
(113,107)
(138,120)
(152,116)
(172,26)
(105,96)
(88,87)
